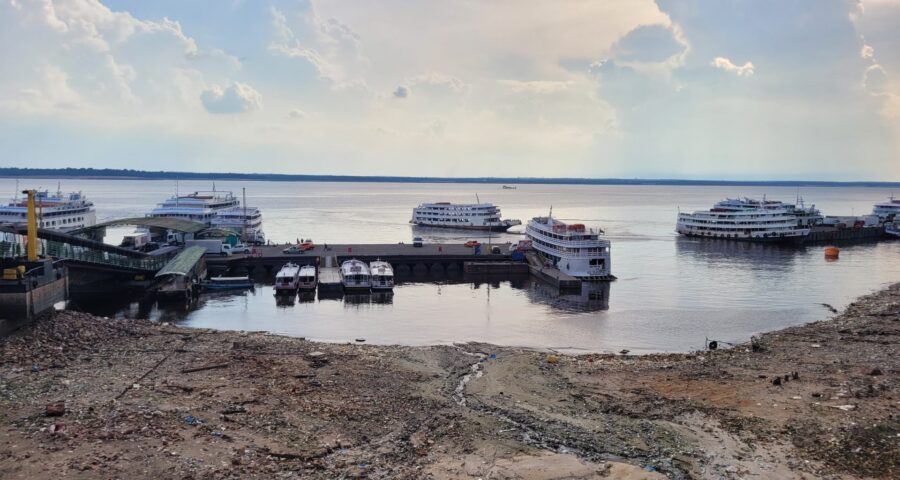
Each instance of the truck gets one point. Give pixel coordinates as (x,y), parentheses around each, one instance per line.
(178,238)
(135,240)
(212,246)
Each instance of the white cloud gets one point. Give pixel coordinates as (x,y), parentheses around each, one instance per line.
(297,114)
(237,98)
(723,63)
(867,51)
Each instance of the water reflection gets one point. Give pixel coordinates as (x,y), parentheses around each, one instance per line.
(284,300)
(716,253)
(593,297)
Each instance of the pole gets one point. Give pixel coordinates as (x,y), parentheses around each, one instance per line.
(31,245)
(244,190)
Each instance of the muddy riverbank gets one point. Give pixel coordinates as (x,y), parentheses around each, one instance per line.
(86,397)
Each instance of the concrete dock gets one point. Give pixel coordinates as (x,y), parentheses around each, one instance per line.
(551,275)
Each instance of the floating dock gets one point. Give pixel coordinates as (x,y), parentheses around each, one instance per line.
(28,289)
(330,275)
(830,234)
(495,267)
(551,275)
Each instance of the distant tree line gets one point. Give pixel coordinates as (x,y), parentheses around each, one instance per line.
(126,173)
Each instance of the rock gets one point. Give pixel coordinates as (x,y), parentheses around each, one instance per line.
(875,372)
(777,381)
(552,359)
(55,409)
(624,351)
(360,340)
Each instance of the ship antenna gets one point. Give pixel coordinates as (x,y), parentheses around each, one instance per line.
(477,200)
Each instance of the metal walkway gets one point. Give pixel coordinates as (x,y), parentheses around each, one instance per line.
(78,250)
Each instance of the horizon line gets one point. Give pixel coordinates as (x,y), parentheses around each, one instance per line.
(119,173)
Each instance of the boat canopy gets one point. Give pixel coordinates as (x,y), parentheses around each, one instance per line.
(183,263)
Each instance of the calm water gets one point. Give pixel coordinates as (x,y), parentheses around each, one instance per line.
(672,293)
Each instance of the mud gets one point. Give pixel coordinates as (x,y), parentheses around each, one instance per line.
(144,400)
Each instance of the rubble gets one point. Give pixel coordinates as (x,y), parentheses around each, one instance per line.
(81,395)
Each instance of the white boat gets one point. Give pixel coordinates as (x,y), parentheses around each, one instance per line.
(355,275)
(228,283)
(466,216)
(382,275)
(892,229)
(750,220)
(308,279)
(573,249)
(287,280)
(888,208)
(217,209)
(56,211)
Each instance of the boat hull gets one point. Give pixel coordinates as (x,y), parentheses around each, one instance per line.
(794,240)
(476,228)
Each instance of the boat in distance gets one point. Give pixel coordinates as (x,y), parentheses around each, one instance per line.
(216,209)
(287,280)
(889,209)
(355,275)
(307,278)
(55,211)
(572,248)
(382,275)
(750,220)
(465,216)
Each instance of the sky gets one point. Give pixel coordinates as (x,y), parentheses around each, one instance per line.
(706,89)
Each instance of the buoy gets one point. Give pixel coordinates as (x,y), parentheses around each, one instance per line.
(832,252)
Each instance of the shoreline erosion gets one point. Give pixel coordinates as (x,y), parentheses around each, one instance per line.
(86,396)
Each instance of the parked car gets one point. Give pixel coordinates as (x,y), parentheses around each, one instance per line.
(495,250)
(292,250)
(241,248)
(307,246)
(472,244)
(417,242)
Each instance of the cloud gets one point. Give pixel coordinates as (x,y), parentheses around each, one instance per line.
(723,63)
(867,51)
(296,113)
(875,79)
(535,87)
(402,92)
(648,43)
(237,98)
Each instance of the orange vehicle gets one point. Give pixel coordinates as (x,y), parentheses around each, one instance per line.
(472,244)
(307,246)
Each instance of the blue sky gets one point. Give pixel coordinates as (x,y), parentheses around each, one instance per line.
(730,89)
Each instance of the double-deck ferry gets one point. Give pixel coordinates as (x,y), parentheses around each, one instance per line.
(888,208)
(355,275)
(217,209)
(55,211)
(572,248)
(382,275)
(466,216)
(750,220)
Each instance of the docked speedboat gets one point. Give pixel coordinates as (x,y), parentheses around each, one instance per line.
(469,216)
(308,278)
(886,209)
(892,229)
(572,248)
(382,275)
(228,283)
(750,220)
(355,275)
(56,211)
(287,280)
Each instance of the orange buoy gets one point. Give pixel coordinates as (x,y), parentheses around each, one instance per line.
(832,252)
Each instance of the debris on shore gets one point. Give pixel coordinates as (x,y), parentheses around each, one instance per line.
(83,396)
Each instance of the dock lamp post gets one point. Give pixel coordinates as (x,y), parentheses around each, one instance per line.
(31,244)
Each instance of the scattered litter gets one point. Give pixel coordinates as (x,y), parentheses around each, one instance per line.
(845,408)
(190,420)
(552,359)
(55,409)
(816,345)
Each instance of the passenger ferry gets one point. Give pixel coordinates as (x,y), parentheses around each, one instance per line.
(467,216)
(573,249)
(287,280)
(382,275)
(218,209)
(892,229)
(56,211)
(355,275)
(307,278)
(750,220)
(888,208)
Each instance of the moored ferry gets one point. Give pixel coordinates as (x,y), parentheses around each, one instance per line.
(466,216)
(287,280)
(55,211)
(884,210)
(382,275)
(218,209)
(750,220)
(355,275)
(307,278)
(572,248)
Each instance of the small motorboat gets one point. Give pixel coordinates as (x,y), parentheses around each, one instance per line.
(228,283)
(288,278)
(382,275)
(307,278)
(355,275)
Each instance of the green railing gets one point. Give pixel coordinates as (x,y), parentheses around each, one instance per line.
(13,245)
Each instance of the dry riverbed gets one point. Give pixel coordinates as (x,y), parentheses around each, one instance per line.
(86,397)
